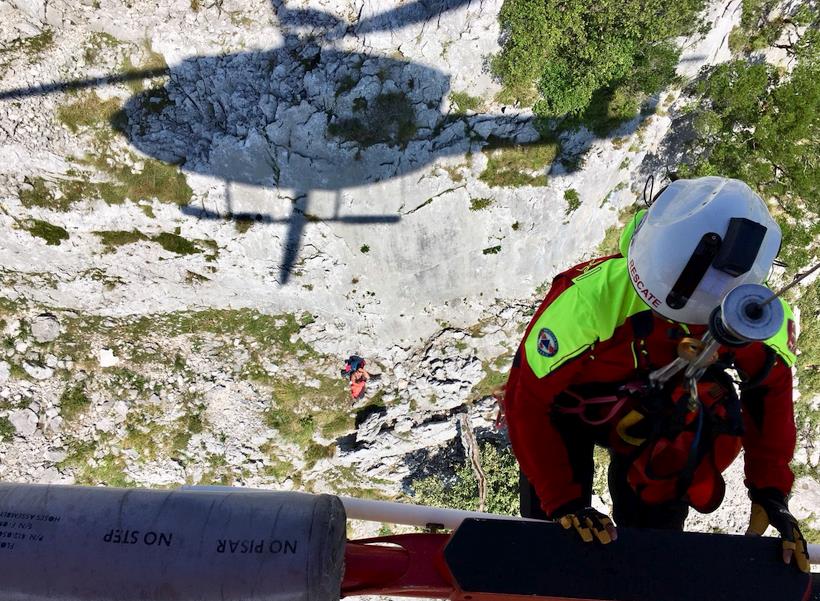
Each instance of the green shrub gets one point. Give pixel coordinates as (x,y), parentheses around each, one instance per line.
(758,125)
(501,472)
(755,125)
(557,55)
(573,200)
(73,401)
(477,204)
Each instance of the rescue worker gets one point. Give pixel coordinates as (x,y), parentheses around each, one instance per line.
(579,377)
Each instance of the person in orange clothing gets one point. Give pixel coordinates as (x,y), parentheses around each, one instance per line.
(357,375)
(580,377)
(358,382)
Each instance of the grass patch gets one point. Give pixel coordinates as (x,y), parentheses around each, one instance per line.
(812,535)
(477,204)
(7,430)
(88,110)
(35,193)
(154,438)
(73,401)
(176,244)
(387,119)
(157,180)
(316,452)
(32,46)
(52,234)
(71,192)
(112,240)
(218,473)
(157,99)
(518,164)
(96,42)
(463,102)
(573,200)
(151,61)
(279,469)
(493,378)
(107,471)
(346,480)
(455,172)
(298,411)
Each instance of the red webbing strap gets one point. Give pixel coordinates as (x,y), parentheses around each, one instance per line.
(404,565)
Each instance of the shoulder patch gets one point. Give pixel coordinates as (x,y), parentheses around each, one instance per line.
(547,343)
(599,301)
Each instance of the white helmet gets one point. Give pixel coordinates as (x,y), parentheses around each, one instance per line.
(700,239)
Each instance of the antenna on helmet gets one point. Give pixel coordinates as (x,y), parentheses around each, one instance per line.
(650,183)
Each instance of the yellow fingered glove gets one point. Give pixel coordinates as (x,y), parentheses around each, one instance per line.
(590,524)
(769,507)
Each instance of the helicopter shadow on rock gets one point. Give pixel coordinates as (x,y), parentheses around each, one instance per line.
(306,116)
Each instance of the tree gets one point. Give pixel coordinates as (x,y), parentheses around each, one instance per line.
(558,55)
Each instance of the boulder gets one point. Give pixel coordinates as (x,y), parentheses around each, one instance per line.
(45,328)
(24,422)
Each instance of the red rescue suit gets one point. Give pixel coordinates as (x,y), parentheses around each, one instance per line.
(632,349)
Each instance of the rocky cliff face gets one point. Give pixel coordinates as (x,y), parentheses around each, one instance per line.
(189,248)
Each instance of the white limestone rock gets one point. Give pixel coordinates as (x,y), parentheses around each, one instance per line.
(24,422)
(107,358)
(38,372)
(45,328)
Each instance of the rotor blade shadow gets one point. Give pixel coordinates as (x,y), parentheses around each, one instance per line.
(201,213)
(81,84)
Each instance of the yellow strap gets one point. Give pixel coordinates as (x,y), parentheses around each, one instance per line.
(629,420)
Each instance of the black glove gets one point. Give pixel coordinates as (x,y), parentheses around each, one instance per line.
(769,506)
(587,522)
